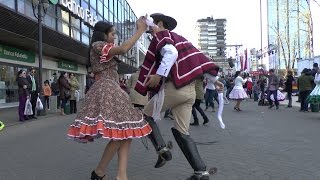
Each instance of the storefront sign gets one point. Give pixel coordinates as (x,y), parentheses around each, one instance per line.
(11,53)
(68,65)
(79,11)
(53,1)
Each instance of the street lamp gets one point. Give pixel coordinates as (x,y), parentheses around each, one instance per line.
(39,8)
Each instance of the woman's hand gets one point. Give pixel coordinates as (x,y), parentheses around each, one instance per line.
(24,86)
(141,24)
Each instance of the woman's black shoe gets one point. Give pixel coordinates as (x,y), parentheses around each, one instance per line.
(94,176)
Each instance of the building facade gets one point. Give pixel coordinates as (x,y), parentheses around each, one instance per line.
(212,38)
(67,28)
(289,33)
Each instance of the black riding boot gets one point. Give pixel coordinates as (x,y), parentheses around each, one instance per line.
(190,151)
(162,149)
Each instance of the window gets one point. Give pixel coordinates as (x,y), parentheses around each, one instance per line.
(75,34)
(50,21)
(93,4)
(106,13)
(84,28)
(62,14)
(100,7)
(8,3)
(63,27)
(75,22)
(25,7)
(111,6)
(85,39)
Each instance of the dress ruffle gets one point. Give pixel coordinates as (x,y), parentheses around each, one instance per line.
(238,94)
(92,128)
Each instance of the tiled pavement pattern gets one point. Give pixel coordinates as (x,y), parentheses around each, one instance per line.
(257,143)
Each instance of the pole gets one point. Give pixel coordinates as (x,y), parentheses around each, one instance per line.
(40,6)
(261,32)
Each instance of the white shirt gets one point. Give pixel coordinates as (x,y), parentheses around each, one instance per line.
(238,83)
(170,55)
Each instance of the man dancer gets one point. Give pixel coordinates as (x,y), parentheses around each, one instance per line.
(196,105)
(34,90)
(273,85)
(170,67)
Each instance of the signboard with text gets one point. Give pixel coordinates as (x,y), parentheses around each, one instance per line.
(68,65)
(12,53)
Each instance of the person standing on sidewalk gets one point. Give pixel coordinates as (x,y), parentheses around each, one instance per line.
(305,83)
(107,111)
(47,92)
(34,90)
(74,84)
(196,105)
(288,87)
(273,86)
(89,81)
(169,68)
(65,88)
(23,86)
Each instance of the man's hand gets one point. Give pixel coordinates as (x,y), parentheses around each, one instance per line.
(219,86)
(153,80)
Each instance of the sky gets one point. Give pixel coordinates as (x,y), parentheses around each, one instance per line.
(243,18)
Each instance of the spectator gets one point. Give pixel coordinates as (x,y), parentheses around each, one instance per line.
(34,90)
(23,86)
(65,88)
(89,81)
(74,87)
(47,93)
(305,82)
(288,87)
(273,85)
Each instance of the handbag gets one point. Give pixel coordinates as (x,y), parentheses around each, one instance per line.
(67,94)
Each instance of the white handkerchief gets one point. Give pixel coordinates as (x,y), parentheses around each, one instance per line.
(220,110)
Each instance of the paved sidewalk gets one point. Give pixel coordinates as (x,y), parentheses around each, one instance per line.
(258,143)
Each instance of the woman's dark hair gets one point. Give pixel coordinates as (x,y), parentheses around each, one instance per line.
(99,30)
(237,74)
(61,76)
(47,81)
(19,73)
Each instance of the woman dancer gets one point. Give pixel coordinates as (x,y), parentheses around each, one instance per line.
(238,93)
(107,111)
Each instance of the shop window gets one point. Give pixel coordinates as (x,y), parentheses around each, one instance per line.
(8,3)
(8,84)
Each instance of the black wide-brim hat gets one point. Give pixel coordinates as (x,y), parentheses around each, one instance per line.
(171,22)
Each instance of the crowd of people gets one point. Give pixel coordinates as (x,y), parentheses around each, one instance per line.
(65,87)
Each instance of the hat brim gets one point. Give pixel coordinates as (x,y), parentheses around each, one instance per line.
(171,22)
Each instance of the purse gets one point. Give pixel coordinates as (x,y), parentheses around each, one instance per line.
(67,94)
